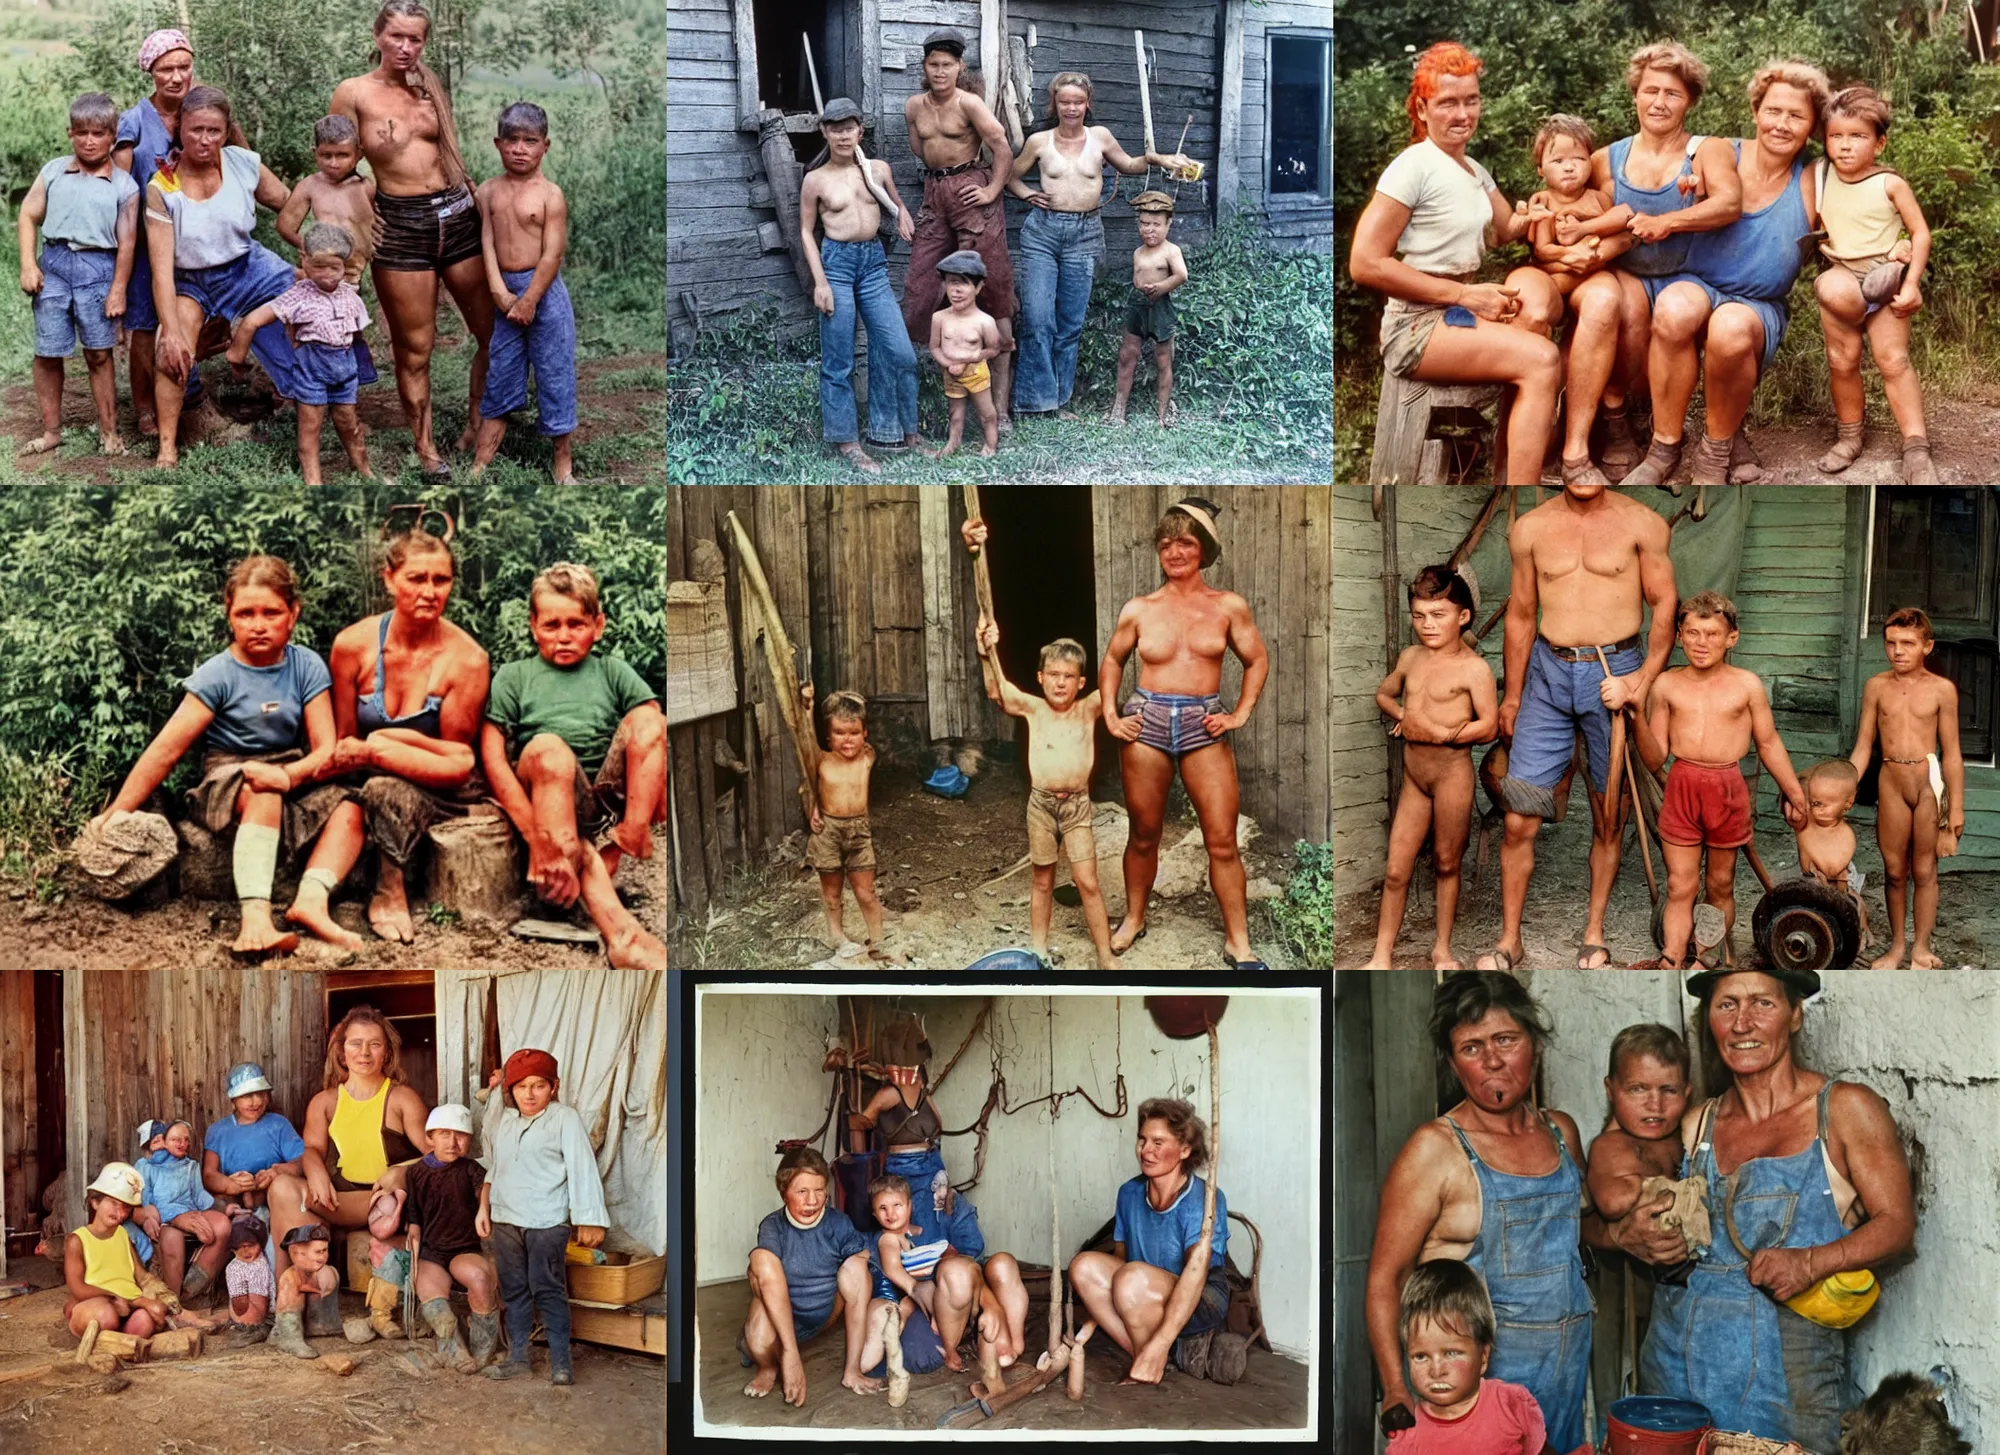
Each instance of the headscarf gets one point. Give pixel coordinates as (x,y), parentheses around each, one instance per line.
(525,1063)
(1199,514)
(158,44)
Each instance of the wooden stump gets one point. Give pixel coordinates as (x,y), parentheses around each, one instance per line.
(207,870)
(175,1344)
(476,870)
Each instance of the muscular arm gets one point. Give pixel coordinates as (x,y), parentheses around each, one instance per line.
(995,136)
(271,192)
(1250,650)
(1722,204)
(1519,631)
(1656,582)
(1372,261)
(1412,1201)
(183,731)
(1864,1134)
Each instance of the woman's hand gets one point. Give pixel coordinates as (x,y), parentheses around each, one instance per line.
(1639,1233)
(1494,302)
(974,534)
(242,1182)
(823,298)
(267,778)
(1125,729)
(589,1237)
(348,755)
(149,1222)
(1782,1272)
(31,279)
(319,1188)
(1040,199)
(1215,724)
(1909,298)
(1650,227)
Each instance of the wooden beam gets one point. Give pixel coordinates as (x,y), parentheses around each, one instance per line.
(76,1091)
(992,59)
(781,165)
(1229,118)
(943,659)
(748,102)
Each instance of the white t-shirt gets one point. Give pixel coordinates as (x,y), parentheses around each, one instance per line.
(1449,208)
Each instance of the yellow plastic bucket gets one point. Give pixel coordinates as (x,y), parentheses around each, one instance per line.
(1837,1301)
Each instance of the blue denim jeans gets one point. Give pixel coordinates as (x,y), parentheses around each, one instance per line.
(530,1264)
(860,281)
(1060,255)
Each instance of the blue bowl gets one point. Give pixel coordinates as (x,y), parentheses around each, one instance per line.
(1660,1415)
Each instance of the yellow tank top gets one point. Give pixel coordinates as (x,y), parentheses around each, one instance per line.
(357,1134)
(107,1262)
(1860,220)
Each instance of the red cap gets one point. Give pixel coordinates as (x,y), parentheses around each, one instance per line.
(525,1063)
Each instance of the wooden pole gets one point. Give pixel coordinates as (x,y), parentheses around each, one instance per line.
(860,156)
(1145,89)
(1055,1237)
(1618,755)
(982,579)
(784,674)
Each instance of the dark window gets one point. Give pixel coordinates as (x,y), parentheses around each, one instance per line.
(1939,549)
(1300,117)
(783,81)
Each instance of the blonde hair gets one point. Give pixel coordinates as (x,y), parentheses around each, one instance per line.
(1070,78)
(565,578)
(1064,649)
(1803,76)
(1675,59)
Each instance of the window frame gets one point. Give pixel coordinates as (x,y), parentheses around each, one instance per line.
(1322,193)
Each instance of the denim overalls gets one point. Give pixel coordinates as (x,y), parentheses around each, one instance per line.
(1542,1312)
(1758,1367)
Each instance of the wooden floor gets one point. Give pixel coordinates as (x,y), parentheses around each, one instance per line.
(1271,1395)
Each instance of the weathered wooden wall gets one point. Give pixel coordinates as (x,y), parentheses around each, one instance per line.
(1277,554)
(19,1166)
(1289,224)
(1360,757)
(148,1043)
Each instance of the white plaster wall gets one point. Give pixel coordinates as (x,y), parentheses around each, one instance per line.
(1271,1099)
(1589,1008)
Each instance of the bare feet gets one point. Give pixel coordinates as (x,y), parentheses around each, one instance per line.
(1136,933)
(1442,958)
(169,458)
(1891,960)
(1117,417)
(861,1383)
(258,936)
(636,950)
(859,458)
(149,425)
(635,839)
(915,440)
(389,915)
(944,454)
(761,1383)
(1922,959)
(1170,416)
(469,438)
(953,1361)
(1068,414)
(110,444)
(1005,426)
(987,452)
(309,913)
(42,443)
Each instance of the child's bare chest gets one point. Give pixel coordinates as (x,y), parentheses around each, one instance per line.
(1152,265)
(1586,204)
(1438,682)
(1829,848)
(347,202)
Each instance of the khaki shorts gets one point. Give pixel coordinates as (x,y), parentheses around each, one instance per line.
(1059,823)
(841,843)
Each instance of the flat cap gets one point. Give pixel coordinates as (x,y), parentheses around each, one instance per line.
(840,109)
(1152,202)
(965,262)
(945,40)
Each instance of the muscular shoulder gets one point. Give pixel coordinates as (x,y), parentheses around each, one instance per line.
(464,645)
(1853,1109)
(1567,1125)
(1717,152)
(349,92)
(1431,1153)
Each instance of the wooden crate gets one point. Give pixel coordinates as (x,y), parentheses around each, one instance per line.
(640,1330)
(617,1281)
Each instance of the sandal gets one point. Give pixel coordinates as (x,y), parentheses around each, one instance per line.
(1662,459)
(1253,963)
(1585,952)
(1503,960)
(1846,448)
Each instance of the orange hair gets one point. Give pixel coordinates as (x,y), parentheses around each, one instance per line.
(1446,58)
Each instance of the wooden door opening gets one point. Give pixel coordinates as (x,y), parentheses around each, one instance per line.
(408,998)
(1040,558)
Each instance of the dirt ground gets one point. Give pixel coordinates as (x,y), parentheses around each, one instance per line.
(84,934)
(1271,1394)
(259,1401)
(1967,933)
(933,855)
(1965,438)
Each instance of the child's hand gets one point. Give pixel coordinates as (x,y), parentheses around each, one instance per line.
(1568,230)
(1909,298)
(1795,811)
(588,1237)
(989,634)
(493,1080)
(267,778)
(523,312)
(954,369)
(114,303)
(483,1225)
(817,823)
(31,280)
(823,298)
(906,227)
(973,533)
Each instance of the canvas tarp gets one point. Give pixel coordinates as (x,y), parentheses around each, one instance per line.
(607,1030)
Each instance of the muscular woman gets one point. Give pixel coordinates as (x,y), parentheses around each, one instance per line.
(426,224)
(1175,719)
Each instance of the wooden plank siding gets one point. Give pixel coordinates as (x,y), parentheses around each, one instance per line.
(1288,224)
(20,1169)
(152,1043)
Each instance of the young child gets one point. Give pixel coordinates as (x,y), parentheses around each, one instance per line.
(244,1152)
(1706,715)
(323,315)
(901,1268)
(1448,703)
(1572,235)
(107,1283)
(1157,269)
(842,846)
(249,1281)
(1647,1085)
(307,1277)
(1864,209)
(575,747)
(1826,842)
(962,340)
(88,211)
(248,707)
(1920,803)
(179,1214)
(526,230)
(851,281)
(449,1212)
(1445,1321)
(335,194)
(544,1188)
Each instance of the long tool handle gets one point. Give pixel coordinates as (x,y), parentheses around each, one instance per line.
(982,578)
(1145,91)
(778,654)
(860,156)
(1619,753)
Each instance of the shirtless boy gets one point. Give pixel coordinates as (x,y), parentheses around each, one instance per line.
(900,1269)
(842,846)
(962,207)
(336,193)
(1648,1087)
(1826,843)
(1062,749)
(1706,715)
(1448,704)
(1920,807)
(850,278)
(1589,562)
(962,339)
(1157,269)
(1573,240)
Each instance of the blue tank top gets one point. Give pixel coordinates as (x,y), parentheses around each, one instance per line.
(372,713)
(1756,256)
(1669,255)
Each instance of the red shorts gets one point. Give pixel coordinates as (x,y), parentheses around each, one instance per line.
(1706,803)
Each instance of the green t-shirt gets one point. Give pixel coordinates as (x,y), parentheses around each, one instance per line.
(582,705)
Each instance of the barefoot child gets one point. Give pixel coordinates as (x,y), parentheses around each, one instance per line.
(106,1282)
(1920,804)
(336,193)
(1157,269)
(307,1277)
(901,1268)
(179,1214)
(248,707)
(1448,703)
(962,340)
(525,233)
(575,748)
(1577,237)
(544,1195)
(1647,1085)
(1445,1323)
(1826,842)
(88,210)
(1865,208)
(842,846)
(249,1282)
(323,316)
(1706,716)
(450,1210)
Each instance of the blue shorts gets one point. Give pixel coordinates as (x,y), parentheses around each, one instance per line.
(548,345)
(1559,698)
(1773,316)
(238,287)
(1171,721)
(70,306)
(326,374)
(1212,1310)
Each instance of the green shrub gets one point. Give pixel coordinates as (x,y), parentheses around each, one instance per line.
(1304,915)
